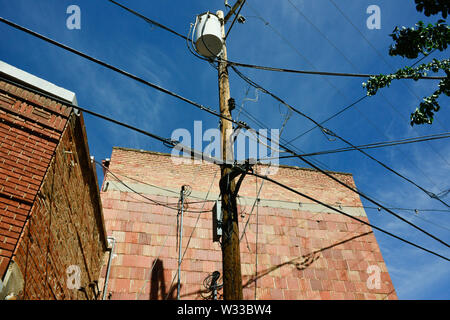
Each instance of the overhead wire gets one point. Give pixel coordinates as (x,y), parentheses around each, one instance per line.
(360,99)
(342,183)
(425,55)
(319,73)
(376,127)
(113,68)
(148,20)
(155,202)
(330,83)
(346,214)
(197,105)
(187,39)
(333,134)
(377,145)
(427,192)
(155,186)
(235,18)
(416,215)
(245,65)
(375,49)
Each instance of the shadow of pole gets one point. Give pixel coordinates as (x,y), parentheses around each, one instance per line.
(306,261)
(158,284)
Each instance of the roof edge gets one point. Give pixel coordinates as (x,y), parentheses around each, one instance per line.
(24,77)
(259,163)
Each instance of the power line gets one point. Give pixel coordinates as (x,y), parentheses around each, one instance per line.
(331,176)
(235,18)
(382,56)
(113,68)
(187,39)
(244,65)
(167,205)
(331,133)
(444,193)
(319,73)
(167,141)
(154,186)
(344,109)
(345,214)
(286,70)
(360,99)
(376,145)
(416,211)
(381,94)
(194,152)
(171,93)
(148,20)
(290,142)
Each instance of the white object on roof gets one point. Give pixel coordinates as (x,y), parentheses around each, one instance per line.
(21,76)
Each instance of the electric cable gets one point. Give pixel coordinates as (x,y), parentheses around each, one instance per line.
(235,18)
(319,73)
(170,142)
(147,198)
(113,68)
(245,65)
(390,65)
(187,39)
(345,214)
(331,133)
(198,106)
(376,145)
(167,142)
(148,20)
(251,211)
(381,94)
(444,227)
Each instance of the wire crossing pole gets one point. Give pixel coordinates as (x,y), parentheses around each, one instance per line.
(231,257)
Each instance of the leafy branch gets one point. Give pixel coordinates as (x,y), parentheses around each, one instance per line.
(409,43)
(431,7)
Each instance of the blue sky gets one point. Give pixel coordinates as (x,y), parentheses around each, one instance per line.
(334,44)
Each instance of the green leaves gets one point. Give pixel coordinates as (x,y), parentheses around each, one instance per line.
(424,114)
(431,7)
(409,43)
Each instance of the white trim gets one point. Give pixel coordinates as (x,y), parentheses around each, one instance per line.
(38,83)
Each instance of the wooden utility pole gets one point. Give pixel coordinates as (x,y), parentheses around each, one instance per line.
(231,256)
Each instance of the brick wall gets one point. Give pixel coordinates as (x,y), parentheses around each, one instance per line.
(30,127)
(302,250)
(50,210)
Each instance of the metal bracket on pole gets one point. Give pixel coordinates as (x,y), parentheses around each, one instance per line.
(217,220)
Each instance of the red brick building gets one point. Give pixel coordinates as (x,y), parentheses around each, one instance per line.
(51,220)
(292,248)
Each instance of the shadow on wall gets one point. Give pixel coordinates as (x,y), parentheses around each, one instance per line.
(300,263)
(158,284)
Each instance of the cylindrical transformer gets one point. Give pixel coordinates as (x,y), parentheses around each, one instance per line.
(208,35)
